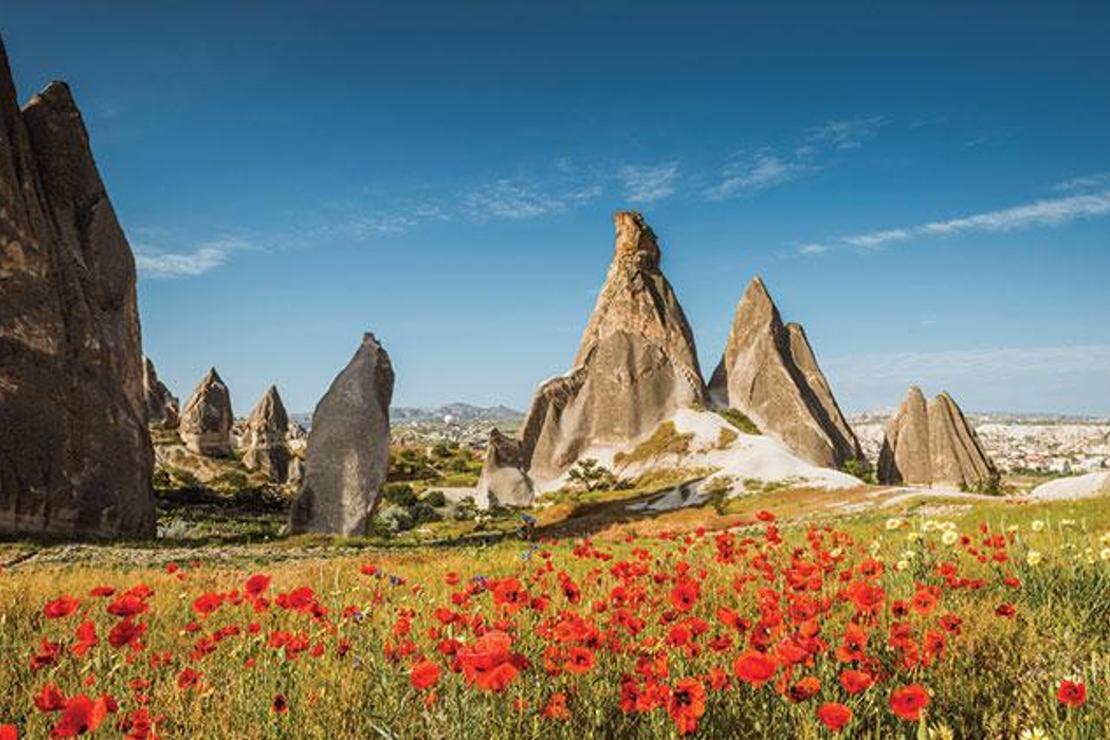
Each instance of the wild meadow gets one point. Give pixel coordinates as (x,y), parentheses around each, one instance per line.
(930,622)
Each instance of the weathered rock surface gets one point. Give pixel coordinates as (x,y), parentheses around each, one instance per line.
(162,409)
(264,446)
(348,448)
(503,480)
(769,372)
(207,418)
(636,364)
(75,452)
(933,444)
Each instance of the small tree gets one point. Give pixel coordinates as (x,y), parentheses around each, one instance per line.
(591,475)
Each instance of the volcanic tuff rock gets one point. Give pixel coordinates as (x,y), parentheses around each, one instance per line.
(930,444)
(348,448)
(75,452)
(503,481)
(206,419)
(162,409)
(769,372)
(636,365)
(264,446)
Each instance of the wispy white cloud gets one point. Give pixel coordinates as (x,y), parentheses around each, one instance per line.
(745,173)
(849,133)
(518,199)
(154,262)
(1087,182)
(813,248)
(648,183)
(1046,212)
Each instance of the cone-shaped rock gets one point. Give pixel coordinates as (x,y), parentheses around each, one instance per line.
(75,452)
(206,419)
(933,444)
(770,373)
(162,409)
(636,365)
(503,481)
(348,448)
(264,446)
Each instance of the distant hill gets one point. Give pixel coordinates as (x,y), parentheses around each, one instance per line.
(461,412)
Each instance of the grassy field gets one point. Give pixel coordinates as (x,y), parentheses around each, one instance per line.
(780,613)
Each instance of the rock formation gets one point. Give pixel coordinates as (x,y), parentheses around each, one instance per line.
(162,409)
(503,481)
(75,452)
(206,419)
(348,448)
(933,444)
(636,364)
(264,446)
(769,372)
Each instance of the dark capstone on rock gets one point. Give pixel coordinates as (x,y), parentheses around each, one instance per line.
(75,452)
(348,448)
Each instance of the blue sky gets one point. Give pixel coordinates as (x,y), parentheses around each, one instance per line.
(925,188)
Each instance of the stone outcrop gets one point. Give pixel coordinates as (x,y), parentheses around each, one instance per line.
(348,448)
(75,451)
(933,444)
(769,372)
(207,418)
(635,366)
(162,409)
(264,447)
(503,481)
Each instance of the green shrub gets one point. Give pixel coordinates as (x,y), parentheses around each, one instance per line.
(399,494)
(860,469)
(435,498)
(739,420)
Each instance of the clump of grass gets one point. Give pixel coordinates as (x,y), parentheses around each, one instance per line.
(739,420)
(726,437)
(665,440)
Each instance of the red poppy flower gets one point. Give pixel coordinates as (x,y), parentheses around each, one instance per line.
(50,698)
(126,632)
(834,716)
(579,660)
(188,679)
(86,638)
(1072,694)
(855,681)
(280,705)
(257,584)
(556,707)
(127,605)
(908,701)
(805,689)
(1006,611)
(81,715)
(685,594)
(488,662)
(9,732)
(755,668)
(423,675)
(60,607)
(687,705)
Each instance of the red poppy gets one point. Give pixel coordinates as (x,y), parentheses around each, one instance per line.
(834,716)
(556,707)
(126,633)
(207,603)
(424,674)
(755,668)
(81,715)
(257,584)
(687,705)
(60,607)
(855,681)
(908,701)
(1006,611)
(579,660)
(50,698)
(9,732)
(127,605)
(685,594)
(280,705)
(805,689)
(1072,694)
(86,638)
(488,662)
(188,679)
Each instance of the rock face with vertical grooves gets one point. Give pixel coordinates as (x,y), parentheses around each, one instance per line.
(264,447)
(162,409)
(75,451)
(348,448)
(933,444)
(207,418)
(503,481)
(636,365)
(769,372)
